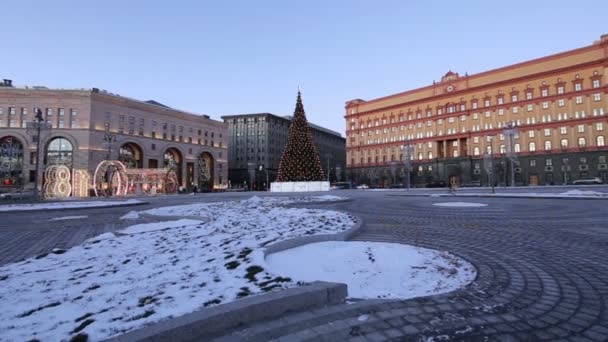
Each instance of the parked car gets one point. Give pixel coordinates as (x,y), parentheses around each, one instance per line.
(362,186)
(17,195)
(588,180)
(340,185)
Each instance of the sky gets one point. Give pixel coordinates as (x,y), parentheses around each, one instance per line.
(232,57)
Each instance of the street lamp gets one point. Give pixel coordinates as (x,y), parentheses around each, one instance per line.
(34,128)
(510,131)
(489,161)
(262,168)
(407,162)
(109,138)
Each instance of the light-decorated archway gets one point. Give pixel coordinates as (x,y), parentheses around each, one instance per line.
(206,166)
(113,178)
(11,161)
(172,159)
(130,154)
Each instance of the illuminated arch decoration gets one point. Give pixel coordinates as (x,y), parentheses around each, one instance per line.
(205,171)
(11,161)
(109,177)
(125,181)
(173,160)
(57,182)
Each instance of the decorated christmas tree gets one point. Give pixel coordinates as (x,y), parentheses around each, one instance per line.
(300,161)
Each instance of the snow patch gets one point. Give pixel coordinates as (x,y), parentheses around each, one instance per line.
(375,269)
(460,204)
(68,218)
(132,215)
(111,284)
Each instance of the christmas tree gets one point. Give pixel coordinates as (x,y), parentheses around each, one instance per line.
(300,161)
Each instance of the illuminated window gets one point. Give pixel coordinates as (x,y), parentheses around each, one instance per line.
(582,142)
(547,145)
(532,147)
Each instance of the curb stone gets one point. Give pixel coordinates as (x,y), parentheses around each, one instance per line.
(204,324)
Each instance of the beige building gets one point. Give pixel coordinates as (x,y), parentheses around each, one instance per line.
(89,126)
(542,121)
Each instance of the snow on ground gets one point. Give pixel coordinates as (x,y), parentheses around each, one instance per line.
(68,218)
(64,205)
(374,269)
(460,204)
(131,215)
(112,284)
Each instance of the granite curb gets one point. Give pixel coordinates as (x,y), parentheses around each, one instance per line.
(204,324)
(76,208)
(304,240)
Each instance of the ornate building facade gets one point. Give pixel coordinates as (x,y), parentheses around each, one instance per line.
(543,121)
(259,139)
(85,127)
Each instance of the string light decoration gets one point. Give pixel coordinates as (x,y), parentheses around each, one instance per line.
(300,161)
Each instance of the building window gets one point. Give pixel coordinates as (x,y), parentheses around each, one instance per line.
(474,105)
(517,148)
(564,143)
(476,151)
(500,100)
(486,103)
(560,89)
(547,145)
(545,105)
(599,126)
(547,132)
(532,162)
(563,130)
(583,160)
(578,86)
(582,142)
(514,98)
(531,134)
(530,107)
(548,162)
(599,140)
(532,147)
(544,92)
(153,147)
(579,99)
(581,128)
(528,95)
(503,149)
(561,102)
(597,97)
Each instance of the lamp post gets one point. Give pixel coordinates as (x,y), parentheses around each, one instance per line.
(510,131)
(34,128)
(109,138)
(328,155)
(407,162)
(262,168)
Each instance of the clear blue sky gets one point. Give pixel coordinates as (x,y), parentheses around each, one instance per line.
(227,57)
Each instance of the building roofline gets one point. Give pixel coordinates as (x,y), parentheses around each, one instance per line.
(286,118)
(597,44)
(98,91)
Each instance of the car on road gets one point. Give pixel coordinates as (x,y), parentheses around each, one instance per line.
(588,180)
(17,195)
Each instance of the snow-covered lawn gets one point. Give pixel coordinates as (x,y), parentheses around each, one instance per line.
(64,205)
(460,204)
(375,269)
(119,282)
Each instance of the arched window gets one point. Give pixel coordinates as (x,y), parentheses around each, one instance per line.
(503,149)
(599,141)
(547,145)
(582,142)
(532,147)
(420,155)
(517,148)
(430,155)
(130,155)
(11,161)
(476,151)
(564,143)
(59,152)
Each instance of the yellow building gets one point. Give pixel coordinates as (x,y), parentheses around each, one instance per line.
(542,121)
